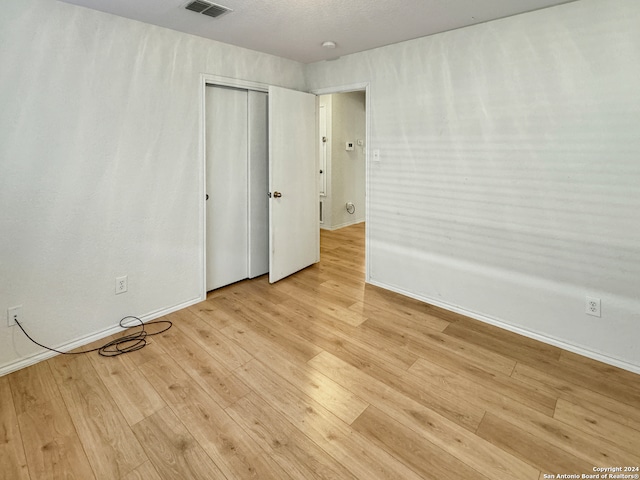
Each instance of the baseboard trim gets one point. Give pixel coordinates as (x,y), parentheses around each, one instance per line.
(515,329)
(65,347)
(342,225)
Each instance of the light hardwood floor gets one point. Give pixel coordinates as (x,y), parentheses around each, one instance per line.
(320,376)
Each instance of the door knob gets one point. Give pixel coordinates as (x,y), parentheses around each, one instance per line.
(277,194)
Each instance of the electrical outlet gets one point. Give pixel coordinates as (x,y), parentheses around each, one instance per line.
(13,314)
(121,284)
(593,306)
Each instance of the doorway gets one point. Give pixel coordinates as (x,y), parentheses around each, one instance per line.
(365,87)
(342,139)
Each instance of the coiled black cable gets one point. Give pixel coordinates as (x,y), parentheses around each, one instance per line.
(125,344)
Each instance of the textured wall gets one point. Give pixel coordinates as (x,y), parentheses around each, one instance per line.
(508,185)
(100,168)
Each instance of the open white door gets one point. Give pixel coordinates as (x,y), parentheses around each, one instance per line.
(294,233)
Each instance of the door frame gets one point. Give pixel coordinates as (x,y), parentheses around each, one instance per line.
(220,81)
(210,79)
(359,87)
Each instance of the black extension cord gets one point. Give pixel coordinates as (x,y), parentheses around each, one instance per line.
(125,344)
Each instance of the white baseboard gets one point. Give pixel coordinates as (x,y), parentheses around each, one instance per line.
(65,347)
(342,225)
(515,329)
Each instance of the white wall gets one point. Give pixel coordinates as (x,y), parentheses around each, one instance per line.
(100,168)
(509,180)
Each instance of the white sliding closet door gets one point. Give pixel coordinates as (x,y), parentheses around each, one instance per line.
(255,142)
(227,174)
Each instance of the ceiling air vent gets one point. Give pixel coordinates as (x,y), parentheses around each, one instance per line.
(206,8)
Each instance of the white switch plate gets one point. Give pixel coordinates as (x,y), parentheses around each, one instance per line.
(376,155)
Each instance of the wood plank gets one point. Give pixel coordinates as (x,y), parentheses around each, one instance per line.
(532,449)
(172,450)
(32,386)
(283,442)
(151,351)
(605,379)
(337,317)
(219,346)
(348,288)
(345,272)
(311,293)
(146,471)
(262,289)
(96,418)
(363,459)
(593,367)
(226,443)
(202,367)
(418,324)
(507,344)
(566,437)
(247,318)
(490,391)
(359,345)
(403,305)
(412,448)
(590,422)
(364,357)
(442,348)
(52,447)
(332,396)
(136,397)
(454,407)
(343,342)
(344,315)
(206,311)
(457,408)
(472,450)
(560,385)
(13,462)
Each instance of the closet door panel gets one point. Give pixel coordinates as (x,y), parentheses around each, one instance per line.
(227,174)
(258,185)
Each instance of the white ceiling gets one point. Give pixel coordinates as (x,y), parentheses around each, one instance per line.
(295,29)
